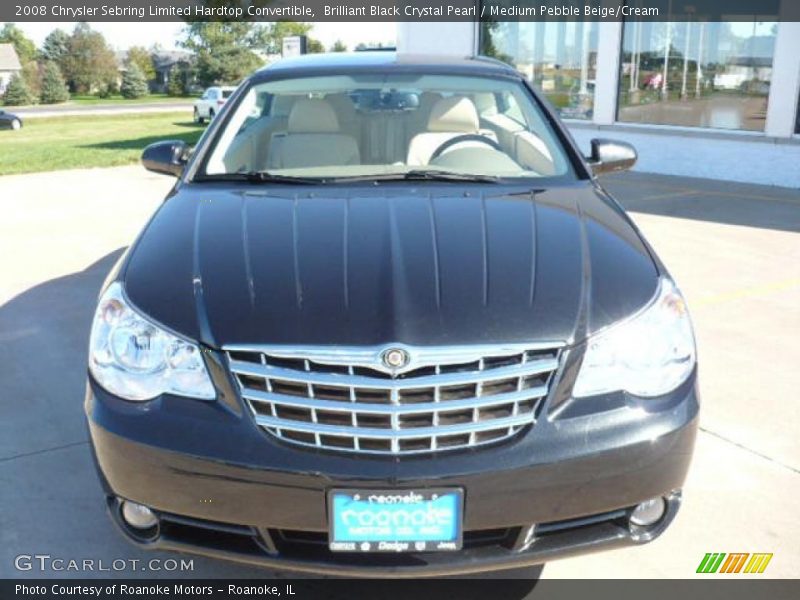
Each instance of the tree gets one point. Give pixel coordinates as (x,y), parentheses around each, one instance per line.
(54,88)
(89,63)
(55,46)
(339,46)
(489,48)
(174,87)
(179,79)
(25,48)
(144,60)
(26,51)
(107,89)
(33,77)
(134,84)
(272,36)
(224,50)
(314,46)
(18,93)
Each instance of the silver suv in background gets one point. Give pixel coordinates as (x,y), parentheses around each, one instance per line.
(211,102)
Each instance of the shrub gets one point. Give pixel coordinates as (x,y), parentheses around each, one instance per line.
(32,75)
(134,83)
(180,80)
(174,86)
(18,93)
(54,89)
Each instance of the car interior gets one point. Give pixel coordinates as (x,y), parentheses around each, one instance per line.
(466,132)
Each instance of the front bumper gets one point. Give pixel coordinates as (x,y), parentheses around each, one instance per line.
(225,488)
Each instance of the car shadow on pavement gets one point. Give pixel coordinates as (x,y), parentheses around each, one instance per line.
(707,200)
(44,338)
(48,487)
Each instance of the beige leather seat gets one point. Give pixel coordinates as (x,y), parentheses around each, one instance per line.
(417,120)
(248,150)
(450,117)
(346,115)
(312,139)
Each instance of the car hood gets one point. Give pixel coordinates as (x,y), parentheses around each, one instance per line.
(428,265)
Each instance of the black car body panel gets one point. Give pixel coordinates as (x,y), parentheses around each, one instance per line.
(7,120)
(363,265)
(557,491)
(368,264)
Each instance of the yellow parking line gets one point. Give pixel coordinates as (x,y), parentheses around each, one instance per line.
(665,196)
(694,192)
(747,292)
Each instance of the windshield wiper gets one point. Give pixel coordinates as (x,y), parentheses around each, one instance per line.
(421,175)
(413,175)
(262,177)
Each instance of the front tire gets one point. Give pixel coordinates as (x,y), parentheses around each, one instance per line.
(197,118)
(16,124)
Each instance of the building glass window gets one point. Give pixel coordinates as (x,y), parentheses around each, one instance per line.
(558,58)
(699,71)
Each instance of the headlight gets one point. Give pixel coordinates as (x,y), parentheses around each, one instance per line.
(135,359)
(648,355)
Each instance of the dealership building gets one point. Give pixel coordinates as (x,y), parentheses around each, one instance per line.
(697,94)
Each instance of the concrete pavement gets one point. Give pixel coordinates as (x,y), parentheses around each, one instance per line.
(735,250)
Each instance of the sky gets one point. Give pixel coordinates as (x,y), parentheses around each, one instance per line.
(124,35)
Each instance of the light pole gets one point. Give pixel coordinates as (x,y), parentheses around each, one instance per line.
(667,46)
(686,46)
(701,41)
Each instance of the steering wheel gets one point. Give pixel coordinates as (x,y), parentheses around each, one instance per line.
(459,139)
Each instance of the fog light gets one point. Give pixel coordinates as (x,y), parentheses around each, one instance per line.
(138,516)
(648,512)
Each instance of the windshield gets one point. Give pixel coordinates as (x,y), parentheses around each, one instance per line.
(356,126)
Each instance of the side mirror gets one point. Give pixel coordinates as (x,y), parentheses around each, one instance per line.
(167,158)
(609,156)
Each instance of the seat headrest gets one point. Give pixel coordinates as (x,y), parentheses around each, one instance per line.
(456,113)
(485,103)
(428,99)
(282,105)
(312,116)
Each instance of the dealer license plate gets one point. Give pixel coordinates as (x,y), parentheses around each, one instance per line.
(425,520)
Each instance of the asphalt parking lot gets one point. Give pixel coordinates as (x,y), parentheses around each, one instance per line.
(735,250)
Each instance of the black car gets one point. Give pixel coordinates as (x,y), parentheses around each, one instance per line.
(9,121)
(410,336)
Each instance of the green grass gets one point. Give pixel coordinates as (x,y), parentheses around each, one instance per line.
(88,141)
(119,100)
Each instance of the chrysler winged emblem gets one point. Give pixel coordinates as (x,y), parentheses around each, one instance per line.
(394,358)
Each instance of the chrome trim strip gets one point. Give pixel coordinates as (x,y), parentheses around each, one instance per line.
(363,381)
(385,453)
(395,434)
(394,409)
(370,356)
(310,370)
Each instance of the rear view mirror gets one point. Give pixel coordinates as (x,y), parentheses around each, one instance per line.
(609,156)
(167,157)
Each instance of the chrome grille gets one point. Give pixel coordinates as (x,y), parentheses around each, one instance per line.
(346,399)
